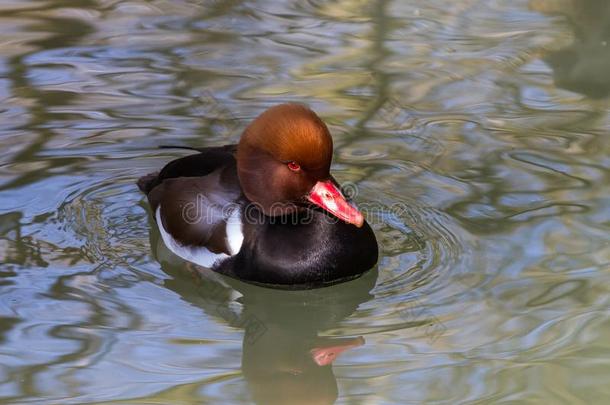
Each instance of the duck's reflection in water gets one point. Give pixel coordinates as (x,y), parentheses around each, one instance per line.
(584,65)
(284,359)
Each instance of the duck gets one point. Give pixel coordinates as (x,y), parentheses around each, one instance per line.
(266,210)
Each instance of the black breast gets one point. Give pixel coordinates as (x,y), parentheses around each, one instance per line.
(311,249)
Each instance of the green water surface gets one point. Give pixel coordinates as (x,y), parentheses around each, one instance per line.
(476,133)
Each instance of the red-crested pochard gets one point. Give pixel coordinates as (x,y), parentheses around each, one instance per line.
(266,210)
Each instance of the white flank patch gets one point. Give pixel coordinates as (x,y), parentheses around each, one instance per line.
(234,231)
(198,255)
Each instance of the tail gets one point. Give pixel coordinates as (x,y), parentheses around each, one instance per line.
(148,182)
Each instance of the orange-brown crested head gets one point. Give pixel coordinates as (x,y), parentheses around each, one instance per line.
(283,160)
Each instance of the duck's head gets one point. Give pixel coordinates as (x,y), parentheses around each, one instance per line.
(283,162)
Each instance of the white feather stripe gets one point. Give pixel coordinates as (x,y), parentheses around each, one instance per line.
(195,254)
(234,231)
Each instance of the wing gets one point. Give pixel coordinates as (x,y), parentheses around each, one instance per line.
(195,195)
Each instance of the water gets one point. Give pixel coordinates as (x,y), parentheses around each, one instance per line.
(475,132)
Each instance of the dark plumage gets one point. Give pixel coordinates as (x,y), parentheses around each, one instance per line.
(265,211)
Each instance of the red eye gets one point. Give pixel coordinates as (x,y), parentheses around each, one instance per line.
(294,166)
